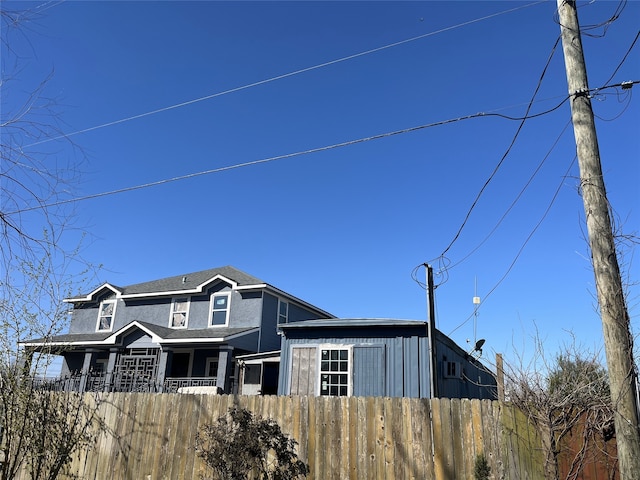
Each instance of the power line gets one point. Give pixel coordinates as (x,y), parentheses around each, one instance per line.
(286,156)
(522,247)
(505,155)
(517,198)
(280,77)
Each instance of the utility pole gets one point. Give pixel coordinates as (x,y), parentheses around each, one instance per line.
(613,309)
(431,332)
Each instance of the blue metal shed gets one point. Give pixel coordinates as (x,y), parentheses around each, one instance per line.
(376,357)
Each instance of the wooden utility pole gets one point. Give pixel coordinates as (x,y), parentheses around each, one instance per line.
(613,309)
(431,332)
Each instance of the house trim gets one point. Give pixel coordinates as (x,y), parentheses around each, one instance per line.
(90,296)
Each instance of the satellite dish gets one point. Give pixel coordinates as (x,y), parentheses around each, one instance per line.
(479,345)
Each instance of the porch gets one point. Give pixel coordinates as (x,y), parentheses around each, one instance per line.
(97,381)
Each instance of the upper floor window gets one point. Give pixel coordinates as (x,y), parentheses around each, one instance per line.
(219,314)
(334,371)
(179,312)
(283,311)
(105,315)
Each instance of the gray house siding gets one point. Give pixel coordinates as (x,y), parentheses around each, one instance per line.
(269,338)
(297,314)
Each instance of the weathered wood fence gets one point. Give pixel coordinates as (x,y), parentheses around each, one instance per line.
(151,436)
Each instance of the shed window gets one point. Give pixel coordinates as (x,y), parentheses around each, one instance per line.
(334,371)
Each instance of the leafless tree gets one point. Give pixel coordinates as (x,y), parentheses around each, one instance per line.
(566,394)
(39,430)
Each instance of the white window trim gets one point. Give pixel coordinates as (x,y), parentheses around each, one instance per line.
(208,362)
(286,316)
(113,315)
(335,346)
(211,309)
(172,311)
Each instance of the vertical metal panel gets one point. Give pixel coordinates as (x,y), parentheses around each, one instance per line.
(395,372)
(424,373)
(368,370)
(411,367)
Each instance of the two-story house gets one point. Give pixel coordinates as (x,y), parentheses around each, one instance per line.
(172,333)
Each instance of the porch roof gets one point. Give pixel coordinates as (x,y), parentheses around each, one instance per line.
(159,334)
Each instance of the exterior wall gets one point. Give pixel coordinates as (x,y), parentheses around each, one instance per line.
(269,338)
(386,365)
(298,313)
(246,343)
(472,380)
(244,310)
(380,366)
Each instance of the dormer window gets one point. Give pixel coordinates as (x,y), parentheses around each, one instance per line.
(105,315)
(179,312)
(219,314)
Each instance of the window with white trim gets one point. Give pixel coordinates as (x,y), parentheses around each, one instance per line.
(283,311)
(105,315)
(219,314)
(179,312)
(212,367)
(334,371)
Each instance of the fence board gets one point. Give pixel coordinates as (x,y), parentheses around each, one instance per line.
(373,438)
(418,412)
(467,433)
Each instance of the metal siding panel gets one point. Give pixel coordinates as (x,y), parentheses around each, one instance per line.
(424,362)
(411,371)
(368,370)
(396,386)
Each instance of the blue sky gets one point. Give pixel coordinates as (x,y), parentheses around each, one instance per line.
(345,227)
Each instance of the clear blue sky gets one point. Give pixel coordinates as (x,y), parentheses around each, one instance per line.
(344,228)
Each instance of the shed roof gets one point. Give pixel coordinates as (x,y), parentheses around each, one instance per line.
(353,322)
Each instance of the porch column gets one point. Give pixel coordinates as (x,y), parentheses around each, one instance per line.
(224,367)
(25,360)
(162,367)
(84,373)
(111,366)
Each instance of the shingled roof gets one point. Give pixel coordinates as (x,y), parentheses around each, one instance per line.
(190,281)
(186,282)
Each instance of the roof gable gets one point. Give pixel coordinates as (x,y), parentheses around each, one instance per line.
(194,282)
(94,293)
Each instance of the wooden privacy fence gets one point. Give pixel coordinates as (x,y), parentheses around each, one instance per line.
(151,436)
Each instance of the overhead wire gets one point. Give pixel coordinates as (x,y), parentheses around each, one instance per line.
(516,199)
(522,247)
(506,153)
(623,85)
(280,77)
(283,157)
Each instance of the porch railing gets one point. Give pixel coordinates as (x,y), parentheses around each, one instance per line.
(121,382)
